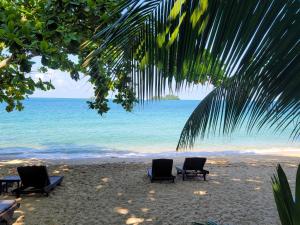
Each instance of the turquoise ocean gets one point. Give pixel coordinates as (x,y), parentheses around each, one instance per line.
(67,129)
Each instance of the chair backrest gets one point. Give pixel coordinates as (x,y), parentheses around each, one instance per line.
(195,163)
(162,167)
(34,176)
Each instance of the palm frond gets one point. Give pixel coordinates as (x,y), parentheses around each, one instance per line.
(248,49)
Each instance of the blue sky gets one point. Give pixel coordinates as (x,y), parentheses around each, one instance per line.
(65,87)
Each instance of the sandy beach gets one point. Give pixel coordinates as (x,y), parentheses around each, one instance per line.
(117,191)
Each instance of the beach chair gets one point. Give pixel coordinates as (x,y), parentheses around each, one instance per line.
(192,167)
(35,179)
(161,170)
(7,208)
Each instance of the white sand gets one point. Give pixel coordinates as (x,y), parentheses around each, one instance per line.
(238,191)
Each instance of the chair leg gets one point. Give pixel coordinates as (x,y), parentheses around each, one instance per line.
(204,176)
(18,194)
(8,220)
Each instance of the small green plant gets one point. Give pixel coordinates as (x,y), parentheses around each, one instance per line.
(288,207)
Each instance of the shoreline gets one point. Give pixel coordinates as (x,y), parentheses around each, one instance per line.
(87,152)
(148,159)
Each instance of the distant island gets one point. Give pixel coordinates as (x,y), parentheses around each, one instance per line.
(167,97)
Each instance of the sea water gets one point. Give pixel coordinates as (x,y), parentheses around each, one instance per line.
(67,128)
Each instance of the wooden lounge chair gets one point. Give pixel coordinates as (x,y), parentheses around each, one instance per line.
(7,208)
(35,179)
(161,170)
(193,167)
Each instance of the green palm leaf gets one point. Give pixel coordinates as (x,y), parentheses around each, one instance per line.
(249,50)
(297,197)
(288,208)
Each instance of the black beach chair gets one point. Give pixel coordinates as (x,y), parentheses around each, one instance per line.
(192,167)
(161,170)
(35,179)
(7,208)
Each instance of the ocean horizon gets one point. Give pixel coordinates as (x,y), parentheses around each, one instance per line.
(65,128)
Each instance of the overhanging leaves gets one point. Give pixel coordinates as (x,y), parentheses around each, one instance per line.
(248,49)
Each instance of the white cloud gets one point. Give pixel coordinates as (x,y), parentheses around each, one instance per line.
(65,86)
(60,82)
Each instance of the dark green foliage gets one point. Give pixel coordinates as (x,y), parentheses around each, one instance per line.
(249,50)
(287,206)
(53,30)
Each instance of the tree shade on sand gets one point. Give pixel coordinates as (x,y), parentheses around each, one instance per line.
(288,207)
